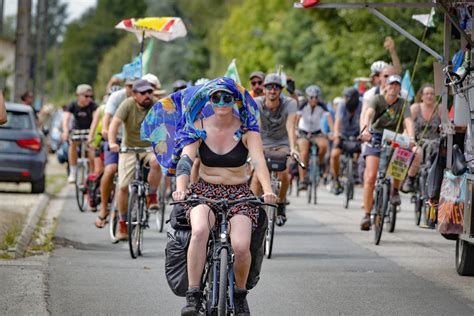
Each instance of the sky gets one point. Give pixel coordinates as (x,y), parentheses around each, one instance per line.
(75,7)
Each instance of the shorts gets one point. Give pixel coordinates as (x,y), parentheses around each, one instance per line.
(223,191)
(99,151)
(309,135)
(372,150)
(349,146)
(126,167)
(110,157)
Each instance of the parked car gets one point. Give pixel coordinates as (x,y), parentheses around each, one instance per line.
(23,150)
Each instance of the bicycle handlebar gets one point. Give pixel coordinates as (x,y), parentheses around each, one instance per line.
(196,200)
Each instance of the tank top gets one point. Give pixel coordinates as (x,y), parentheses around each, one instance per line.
(236,157)
(432,132)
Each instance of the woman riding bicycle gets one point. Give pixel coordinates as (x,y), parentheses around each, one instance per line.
(309,129)
(219,123)
(426,117)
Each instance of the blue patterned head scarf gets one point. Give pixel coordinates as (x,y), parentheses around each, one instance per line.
(169,125)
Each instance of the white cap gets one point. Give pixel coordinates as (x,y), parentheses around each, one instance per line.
(151,78)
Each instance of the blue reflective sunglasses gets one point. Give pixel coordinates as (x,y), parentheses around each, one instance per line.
(222,99)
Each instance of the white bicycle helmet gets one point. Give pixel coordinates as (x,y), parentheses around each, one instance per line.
(313,91)
(377,67)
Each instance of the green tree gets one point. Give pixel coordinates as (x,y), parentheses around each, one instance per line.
(89,38)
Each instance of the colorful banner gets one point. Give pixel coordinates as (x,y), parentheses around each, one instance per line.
(451,203)
(400,163)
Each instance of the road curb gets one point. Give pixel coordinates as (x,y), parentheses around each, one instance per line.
(33,218)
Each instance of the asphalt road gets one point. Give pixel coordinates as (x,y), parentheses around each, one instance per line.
(322,265)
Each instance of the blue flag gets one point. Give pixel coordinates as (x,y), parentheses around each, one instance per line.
(132,70)
(406,85)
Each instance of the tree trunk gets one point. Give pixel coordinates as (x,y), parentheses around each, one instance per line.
(22,50)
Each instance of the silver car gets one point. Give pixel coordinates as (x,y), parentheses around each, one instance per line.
(23,152)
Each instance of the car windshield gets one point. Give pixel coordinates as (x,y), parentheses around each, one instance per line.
(17,120)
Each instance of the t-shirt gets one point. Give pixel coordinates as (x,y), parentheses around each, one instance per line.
(82,114)
(132,117)
(386,116)
(349,122)
(311,118)
(114,101)
(273,123)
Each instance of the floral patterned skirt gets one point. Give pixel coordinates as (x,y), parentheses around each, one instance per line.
(222,191)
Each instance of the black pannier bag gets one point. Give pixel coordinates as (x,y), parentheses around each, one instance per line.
(179,235)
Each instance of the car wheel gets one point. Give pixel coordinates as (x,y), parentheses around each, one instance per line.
(38,185)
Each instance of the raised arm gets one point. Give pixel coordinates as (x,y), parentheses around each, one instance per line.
(389,44)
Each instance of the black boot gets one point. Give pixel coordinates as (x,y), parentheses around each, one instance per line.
(193,303)
(240,302)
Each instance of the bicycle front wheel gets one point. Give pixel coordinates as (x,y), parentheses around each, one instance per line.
(271,213)
(349,184)
(315,179)
(392,215)
(223,277)
(81,178)
(381,205)
(133,222)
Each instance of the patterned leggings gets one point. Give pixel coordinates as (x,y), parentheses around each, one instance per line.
(222,191)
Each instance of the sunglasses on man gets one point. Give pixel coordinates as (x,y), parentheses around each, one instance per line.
(88,96)
(146,92)
(273,86)
(254,83)
(222,98)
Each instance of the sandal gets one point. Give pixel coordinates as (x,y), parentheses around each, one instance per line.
(100,222)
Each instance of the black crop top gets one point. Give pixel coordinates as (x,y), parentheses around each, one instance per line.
(236,157)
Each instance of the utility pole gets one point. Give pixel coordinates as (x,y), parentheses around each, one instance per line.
(41,48)
(22,49)
(1,16)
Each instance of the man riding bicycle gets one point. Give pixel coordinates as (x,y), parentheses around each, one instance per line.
(384,112)
(82,111)
(131,113)
(309,129)
(277,127)
(346,126)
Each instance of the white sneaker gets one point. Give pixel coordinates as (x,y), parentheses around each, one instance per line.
(71,178)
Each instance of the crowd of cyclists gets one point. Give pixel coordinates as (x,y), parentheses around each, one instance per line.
(215,163)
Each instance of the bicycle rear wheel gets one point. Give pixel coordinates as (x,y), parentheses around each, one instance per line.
(381,205)
(271,213)
(80,184)
(223,277)
(133,222)
(315,180)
